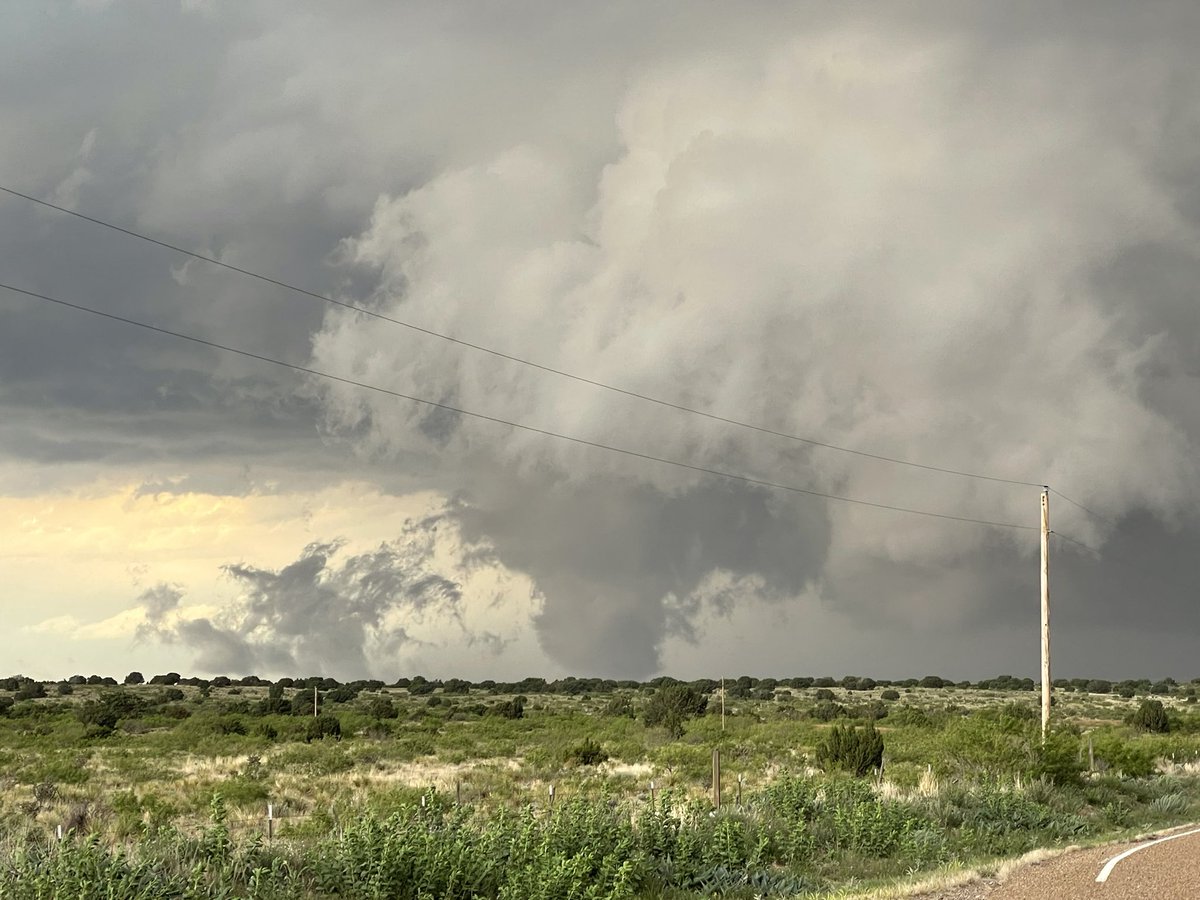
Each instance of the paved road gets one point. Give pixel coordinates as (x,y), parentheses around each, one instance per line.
(1167,870)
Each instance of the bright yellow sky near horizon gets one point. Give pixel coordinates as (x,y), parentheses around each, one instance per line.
(73,562)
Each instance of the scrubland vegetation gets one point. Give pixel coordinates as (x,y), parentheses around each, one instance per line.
(581,788)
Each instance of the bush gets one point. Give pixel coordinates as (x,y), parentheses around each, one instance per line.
(509,709)
(33,690)
(1057,758)
(890,694)
(827,711)
(381,708)
(323,726)
(102,715)
(1131,760)
(672,705)
(854,751)
(619,705)
(589,753)
(1152,717)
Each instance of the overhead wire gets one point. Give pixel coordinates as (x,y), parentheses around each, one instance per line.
(1095,515)
(513,358)
(511,424)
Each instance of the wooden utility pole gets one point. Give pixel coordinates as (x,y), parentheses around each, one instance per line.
(722,704)
(1045,611)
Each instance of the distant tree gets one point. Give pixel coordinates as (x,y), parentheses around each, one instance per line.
(381,708)
(1152,717)
(509,709)
(104,713)
(827,711)
(343,694)
(135,678)
(275,704)
(619,705)
(672,705)
(168,678)
(31,690)
(890,694)
(1099,686)
(323,726)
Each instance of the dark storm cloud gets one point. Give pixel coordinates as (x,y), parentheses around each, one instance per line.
(609,557)
(955,232)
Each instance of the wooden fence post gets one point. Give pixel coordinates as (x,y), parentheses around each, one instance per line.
(716,777)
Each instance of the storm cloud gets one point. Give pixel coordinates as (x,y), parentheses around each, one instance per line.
(946,233)
(316,614)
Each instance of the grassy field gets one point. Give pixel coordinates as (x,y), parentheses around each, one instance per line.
(565,790)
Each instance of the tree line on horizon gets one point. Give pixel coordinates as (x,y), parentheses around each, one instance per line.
(741,687)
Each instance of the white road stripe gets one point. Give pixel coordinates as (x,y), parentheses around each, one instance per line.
(1111,864)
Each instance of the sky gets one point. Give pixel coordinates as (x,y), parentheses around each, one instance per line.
(957,234)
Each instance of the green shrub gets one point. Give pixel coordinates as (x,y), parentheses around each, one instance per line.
(323,726)
(1057,758)
(1130,759)
(1152,717)
(672,705)
(851,750)
(827,711)
(589,753)
(509,709)
(381,708)
(619,705)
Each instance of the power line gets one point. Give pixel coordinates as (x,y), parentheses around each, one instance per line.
(1095,515)
(542,431)
(1087,547)
(517,359)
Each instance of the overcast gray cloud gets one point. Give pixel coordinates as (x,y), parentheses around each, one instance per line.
(951,233)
